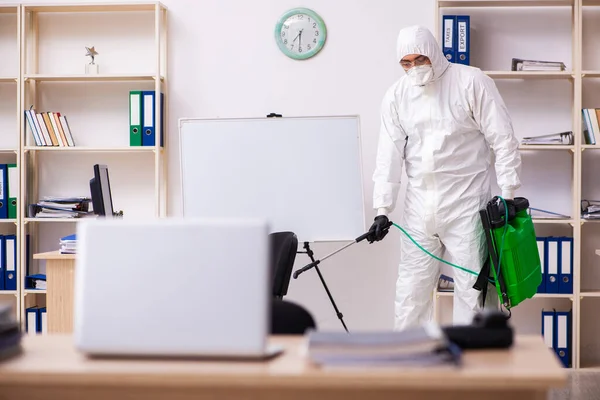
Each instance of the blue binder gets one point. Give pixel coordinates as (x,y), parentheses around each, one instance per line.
(149,110)
(552,271)
(2,262)
(543,252)
(449,37)
(565,265)
(463,44)
(548,328)
(10,271)
(32,320)
(3,191)
(563,337)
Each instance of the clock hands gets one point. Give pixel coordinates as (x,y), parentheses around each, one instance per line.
(298,36)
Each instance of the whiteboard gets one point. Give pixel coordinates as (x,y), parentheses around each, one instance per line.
(301,174)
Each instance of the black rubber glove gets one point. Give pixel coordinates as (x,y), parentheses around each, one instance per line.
(379,229)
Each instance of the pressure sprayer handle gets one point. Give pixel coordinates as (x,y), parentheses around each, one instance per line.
(317,262)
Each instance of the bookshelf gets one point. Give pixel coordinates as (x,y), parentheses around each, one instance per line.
(569,29)
(43,49)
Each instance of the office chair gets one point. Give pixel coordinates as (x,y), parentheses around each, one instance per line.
(284,246)
(288,318)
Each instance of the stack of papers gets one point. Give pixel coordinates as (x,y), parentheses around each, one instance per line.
(519,64)
(68,244)
(61,207)
(562,138)
(422,346)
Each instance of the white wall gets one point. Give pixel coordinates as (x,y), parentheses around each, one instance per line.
(223,62)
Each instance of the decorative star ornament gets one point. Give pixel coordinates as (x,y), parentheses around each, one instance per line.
(91,52)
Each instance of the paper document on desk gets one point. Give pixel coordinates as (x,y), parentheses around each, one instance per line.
(420,346)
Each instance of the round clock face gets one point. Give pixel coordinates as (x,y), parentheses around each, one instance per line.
(300,33)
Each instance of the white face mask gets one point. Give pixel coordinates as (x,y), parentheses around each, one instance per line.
(420,75)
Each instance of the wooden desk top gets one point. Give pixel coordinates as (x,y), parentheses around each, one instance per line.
(52,360)
(54,255)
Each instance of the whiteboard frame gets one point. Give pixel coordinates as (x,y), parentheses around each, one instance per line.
(184,120)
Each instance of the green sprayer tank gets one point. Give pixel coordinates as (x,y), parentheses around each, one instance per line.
(514,257)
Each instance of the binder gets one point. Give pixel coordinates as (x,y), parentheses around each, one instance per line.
(135,118)
(553,260)
(13,189)
(548,328)
(463,43)
(149,113)
(10,273)
(2,262)
(565,276)
(43,321)
(543,252)
(449,37)
(563,337)
(3,191)
(32,320)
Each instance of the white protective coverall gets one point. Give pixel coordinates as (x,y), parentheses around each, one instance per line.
(444,132)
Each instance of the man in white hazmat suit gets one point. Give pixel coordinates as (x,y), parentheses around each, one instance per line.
(443,121)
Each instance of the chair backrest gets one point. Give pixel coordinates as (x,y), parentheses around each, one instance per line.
(284,246)
(288,318)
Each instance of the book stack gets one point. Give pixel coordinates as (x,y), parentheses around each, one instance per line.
(420,346)
(68,244)
(49,128)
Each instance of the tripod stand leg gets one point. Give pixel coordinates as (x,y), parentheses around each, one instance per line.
(312,258)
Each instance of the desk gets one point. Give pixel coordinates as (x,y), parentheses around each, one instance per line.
(51,369)
(60,270)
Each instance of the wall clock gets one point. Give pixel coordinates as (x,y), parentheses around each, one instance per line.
(300,33)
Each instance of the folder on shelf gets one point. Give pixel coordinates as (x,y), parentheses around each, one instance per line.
(10,273)
(32,320)
(149,114)
(449,34)
(548,330)
(543,252)
(565,281)
(3,191)
(135,118)
(13,189)
(463,37)
(553,268)
(563,340)
(43,321)
(2,262)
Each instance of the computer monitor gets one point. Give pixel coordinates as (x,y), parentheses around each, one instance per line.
(100,191)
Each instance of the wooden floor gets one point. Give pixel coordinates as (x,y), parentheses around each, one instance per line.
(583,385)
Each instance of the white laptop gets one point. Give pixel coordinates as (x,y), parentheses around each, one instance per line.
(173,287)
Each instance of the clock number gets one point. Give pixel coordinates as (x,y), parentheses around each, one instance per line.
(285,41)
(300,49)
(308,46)
(314,25)
(314,40)
(286,27)
(300,16)
(283,34)
(316,33)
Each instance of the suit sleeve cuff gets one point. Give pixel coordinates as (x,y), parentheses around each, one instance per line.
(508,194)
(382,211)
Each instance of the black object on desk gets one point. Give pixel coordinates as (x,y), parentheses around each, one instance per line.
(10,334)
(489,330)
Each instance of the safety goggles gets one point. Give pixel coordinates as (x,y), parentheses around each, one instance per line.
(421,60)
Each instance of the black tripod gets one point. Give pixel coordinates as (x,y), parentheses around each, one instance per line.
(314,264)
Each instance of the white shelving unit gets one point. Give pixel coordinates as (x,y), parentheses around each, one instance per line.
(577,75)
(45,50)
(9,113)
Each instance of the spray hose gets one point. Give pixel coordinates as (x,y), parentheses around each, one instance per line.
(458,266)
